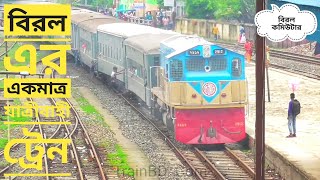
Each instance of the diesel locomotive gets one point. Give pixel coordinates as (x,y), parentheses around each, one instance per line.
(197,88)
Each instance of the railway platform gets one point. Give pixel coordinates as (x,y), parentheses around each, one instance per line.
(298,157)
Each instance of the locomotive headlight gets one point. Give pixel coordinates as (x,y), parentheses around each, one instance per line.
(235,63)
(206,51)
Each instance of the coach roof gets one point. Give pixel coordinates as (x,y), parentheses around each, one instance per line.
(128,29)
(92,24)
(147,43)
(79,17)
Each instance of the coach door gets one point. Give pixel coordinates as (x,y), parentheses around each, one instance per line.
(155,72)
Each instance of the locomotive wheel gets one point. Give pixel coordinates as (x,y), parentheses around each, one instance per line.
(156,112)
(169,122)
(164,118)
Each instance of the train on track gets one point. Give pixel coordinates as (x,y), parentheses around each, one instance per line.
(197,88)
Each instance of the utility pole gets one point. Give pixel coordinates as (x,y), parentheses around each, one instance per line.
(144,8)
(7,76)
(260,99)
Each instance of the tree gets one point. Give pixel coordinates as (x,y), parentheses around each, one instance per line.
(248,11)
(102,3)
(225,9)
(160,3)
(241,10)
(198,9)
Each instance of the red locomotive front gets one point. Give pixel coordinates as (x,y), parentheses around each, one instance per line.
(210,126)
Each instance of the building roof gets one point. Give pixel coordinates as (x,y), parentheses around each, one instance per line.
(128,29)
(147,43)
(314,3)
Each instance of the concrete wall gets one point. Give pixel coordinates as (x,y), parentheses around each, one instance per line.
(227,31)
(276,161)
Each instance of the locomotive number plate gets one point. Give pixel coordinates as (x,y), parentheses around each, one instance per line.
(194,53)
(219,51)
(209,89)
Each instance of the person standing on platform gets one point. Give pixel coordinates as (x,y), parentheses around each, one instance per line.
(215,32)
(242,31)
(173,19)
(248,47)
(291,117)
(317,50)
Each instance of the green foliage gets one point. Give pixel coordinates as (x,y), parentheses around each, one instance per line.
(160,3)
(248,11)
(120,162)
(88,108)
(4,128)
(241,10)
(198,9)
(3,142)
(102,3)
(225,9)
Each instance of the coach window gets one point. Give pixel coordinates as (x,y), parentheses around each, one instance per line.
(117,53)
(111,52)
(107,51)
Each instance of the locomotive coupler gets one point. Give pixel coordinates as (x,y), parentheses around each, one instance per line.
(211,131)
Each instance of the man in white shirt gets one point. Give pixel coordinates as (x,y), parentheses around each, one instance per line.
(113,75)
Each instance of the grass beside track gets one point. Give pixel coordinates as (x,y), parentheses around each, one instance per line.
(117,159)
(88,108)
(4,128)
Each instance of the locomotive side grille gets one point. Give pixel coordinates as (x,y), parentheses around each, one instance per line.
(176,71)
(195,64)
(218,64)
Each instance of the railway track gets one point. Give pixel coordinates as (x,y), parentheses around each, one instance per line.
(297,58)
(82,152)
(205,165)
(10,45)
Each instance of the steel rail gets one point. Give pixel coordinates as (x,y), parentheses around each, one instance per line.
(88,139)
(206,161)
(9,48)
(183,159)
(287,56)
(240,163)
(78,119)
(72,144)
(44,146)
